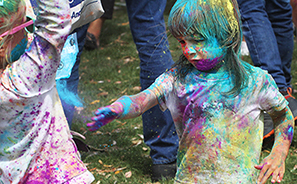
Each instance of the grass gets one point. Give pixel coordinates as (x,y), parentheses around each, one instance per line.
(119,154)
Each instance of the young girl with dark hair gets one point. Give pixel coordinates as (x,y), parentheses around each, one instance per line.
(216,100)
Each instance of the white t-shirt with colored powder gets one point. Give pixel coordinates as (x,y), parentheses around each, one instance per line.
(220,135)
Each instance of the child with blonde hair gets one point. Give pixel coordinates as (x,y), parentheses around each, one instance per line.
(216,100)
(35,141)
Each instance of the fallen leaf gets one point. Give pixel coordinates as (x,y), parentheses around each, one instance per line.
(136,142)
(107,176)
(128,59)
(112,100)
(266,151)
(118,82)
(100,162)
(144,148)
(93,82)
(94,102)
(102,94)
(93,169)
(128,174)
(119,169)
(98,132)
(136,88)
(141,136)
(107,165)
(101,172)
(98,182)
(117,172)
(124,24)
(124,91)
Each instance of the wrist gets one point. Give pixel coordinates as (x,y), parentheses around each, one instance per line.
(117,108)
(124,103)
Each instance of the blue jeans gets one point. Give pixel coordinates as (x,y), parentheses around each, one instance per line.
(149,34)
(72,81)
(268,31)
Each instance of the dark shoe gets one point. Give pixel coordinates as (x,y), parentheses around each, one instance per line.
(160,171)
(91,42)
(268,137)
(81,146)
(292,102)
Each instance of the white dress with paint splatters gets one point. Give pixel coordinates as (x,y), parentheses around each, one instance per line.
(35,142)
(220,135)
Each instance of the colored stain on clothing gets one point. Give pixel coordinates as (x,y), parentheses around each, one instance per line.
(35,141)
(220,135)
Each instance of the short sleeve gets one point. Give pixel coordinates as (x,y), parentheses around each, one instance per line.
(162,87)
(270,97)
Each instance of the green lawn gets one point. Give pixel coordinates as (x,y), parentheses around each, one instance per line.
(119,154)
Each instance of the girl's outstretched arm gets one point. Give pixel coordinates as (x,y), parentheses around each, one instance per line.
(274,164)
(124,108)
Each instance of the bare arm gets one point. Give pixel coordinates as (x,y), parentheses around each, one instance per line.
(135,105)
(274,164)
(125,107)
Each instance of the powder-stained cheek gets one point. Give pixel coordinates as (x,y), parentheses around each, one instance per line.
(186,51)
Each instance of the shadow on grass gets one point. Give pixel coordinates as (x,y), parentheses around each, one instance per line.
(115,149)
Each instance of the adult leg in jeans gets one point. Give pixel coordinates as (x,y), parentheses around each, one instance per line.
(268,31)
(149,34)
(261,37)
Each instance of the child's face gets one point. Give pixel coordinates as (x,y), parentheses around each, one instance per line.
(203,53)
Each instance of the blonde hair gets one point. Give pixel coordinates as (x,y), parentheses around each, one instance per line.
(11,12)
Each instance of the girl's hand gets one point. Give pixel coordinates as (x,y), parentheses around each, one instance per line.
(103,116)
(273,165)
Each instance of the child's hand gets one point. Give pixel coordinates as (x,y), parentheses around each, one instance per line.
(103,116)
(273,165)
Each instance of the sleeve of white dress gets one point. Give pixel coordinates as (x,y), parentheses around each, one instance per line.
(34,73)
